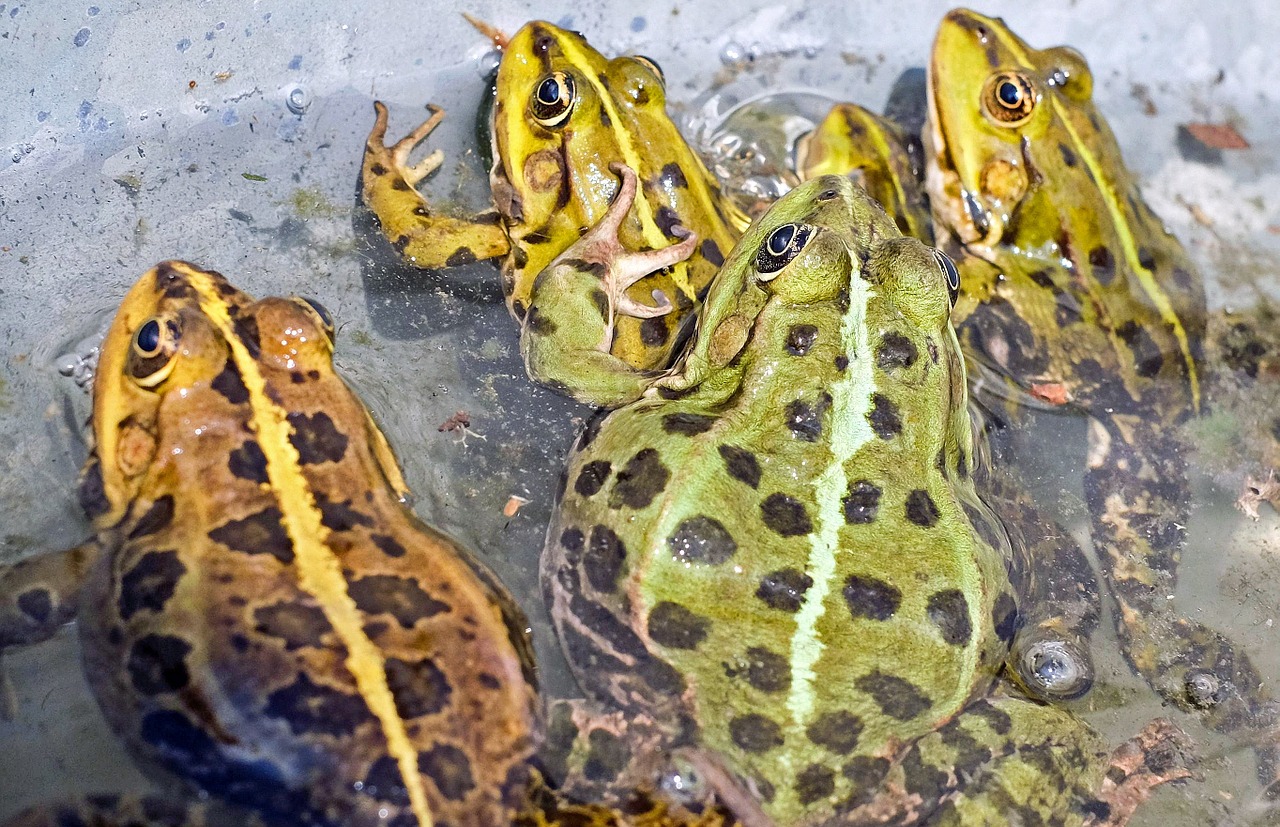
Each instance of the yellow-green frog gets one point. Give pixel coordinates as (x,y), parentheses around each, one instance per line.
(563,114)
(1075,295)
(778,555)
(263,620)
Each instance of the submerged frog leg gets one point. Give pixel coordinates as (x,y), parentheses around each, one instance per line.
(569,330)
(425,239)
(1160,752)
(39,594)
(1136,490)
(122,811)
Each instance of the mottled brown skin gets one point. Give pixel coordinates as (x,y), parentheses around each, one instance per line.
(210,653)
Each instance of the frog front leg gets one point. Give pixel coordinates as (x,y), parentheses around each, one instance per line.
(425,239)
(568,332)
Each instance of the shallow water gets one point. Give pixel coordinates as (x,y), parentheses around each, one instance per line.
(142,131)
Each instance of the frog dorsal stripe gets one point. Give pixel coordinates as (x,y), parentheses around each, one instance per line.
(1121,223)
(633,157)
(319,571)
(850,430)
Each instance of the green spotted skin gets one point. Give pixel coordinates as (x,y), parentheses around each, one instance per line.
(773,553)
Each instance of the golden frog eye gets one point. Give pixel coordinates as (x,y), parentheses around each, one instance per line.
(652,66)
(321,314)
(1009,98)
(949,270)
(553,100)
(781,246)
(155,344)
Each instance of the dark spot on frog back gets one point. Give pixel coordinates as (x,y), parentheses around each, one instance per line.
(754,733)
(764,670)
(702,540)
(836,731)
(870,598)
(784,589)
(896,697)
(861,503)
(805,419)
(655,331)
(603,558)
(1148,357)
(316,438)
(1004,615)
(675,626)
(402,598)
(155,519)
(687,424)
(785,515)
(949,611)
(896,352)
(260,533)
(741,464)
(246,330)
(921,509)
(149,583)
(449,769)
(1103,265)
(801,338)
(711,252)
(311,707)
(229,384)
(592,477)
(158,664)
(340,515)
(248,462)
(884,417)
(815,783)
(643,478)
(418,687)
(297,624)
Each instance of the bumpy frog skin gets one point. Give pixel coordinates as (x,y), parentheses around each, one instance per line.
(778,554)
(563,115)
(1073,291)
(263,617)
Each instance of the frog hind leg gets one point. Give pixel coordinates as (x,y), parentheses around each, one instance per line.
(575,303)
(615,762)
(1136,490)
(423,238)
(1008,760)
(39,594)
(120,811)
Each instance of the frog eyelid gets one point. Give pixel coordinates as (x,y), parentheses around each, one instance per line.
(780,247)
(652,66)
(321,314)
(553,99)
(153,351)
(949,271)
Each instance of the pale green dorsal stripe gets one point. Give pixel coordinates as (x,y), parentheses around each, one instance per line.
(850,430)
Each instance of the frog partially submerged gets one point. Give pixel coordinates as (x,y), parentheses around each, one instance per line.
(778,554)
(563,114)
(262,618)
(1074,295)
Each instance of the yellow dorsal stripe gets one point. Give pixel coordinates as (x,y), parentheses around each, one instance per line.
(1145,277)
(319,571)
(632,158)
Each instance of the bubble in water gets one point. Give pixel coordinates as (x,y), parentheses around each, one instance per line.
(732,52)
(297,100)
(488,63)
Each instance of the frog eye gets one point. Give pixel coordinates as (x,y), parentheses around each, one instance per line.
(781,246)
(952,274)
(652,66)
(155,344)
(321,314)
(553,100)
(1009,98)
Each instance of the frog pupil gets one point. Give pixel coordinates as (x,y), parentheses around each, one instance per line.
(781,239)
(148,337)
(549,91)
(1010,94)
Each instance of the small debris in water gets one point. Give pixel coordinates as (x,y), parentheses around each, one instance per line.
(297,100)
(1055,393)
(514,503)
(460,424)
(1259,491)
(249,176)
(1217,135)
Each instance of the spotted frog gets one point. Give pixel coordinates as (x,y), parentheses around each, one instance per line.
(262,618)
(563,114)
(1074,296)
(778,554)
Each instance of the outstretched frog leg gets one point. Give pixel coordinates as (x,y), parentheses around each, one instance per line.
(576,301)
(425,239)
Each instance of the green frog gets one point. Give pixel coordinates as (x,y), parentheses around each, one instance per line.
(1074,296)
(778,554)
(262,617)
(562,115)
